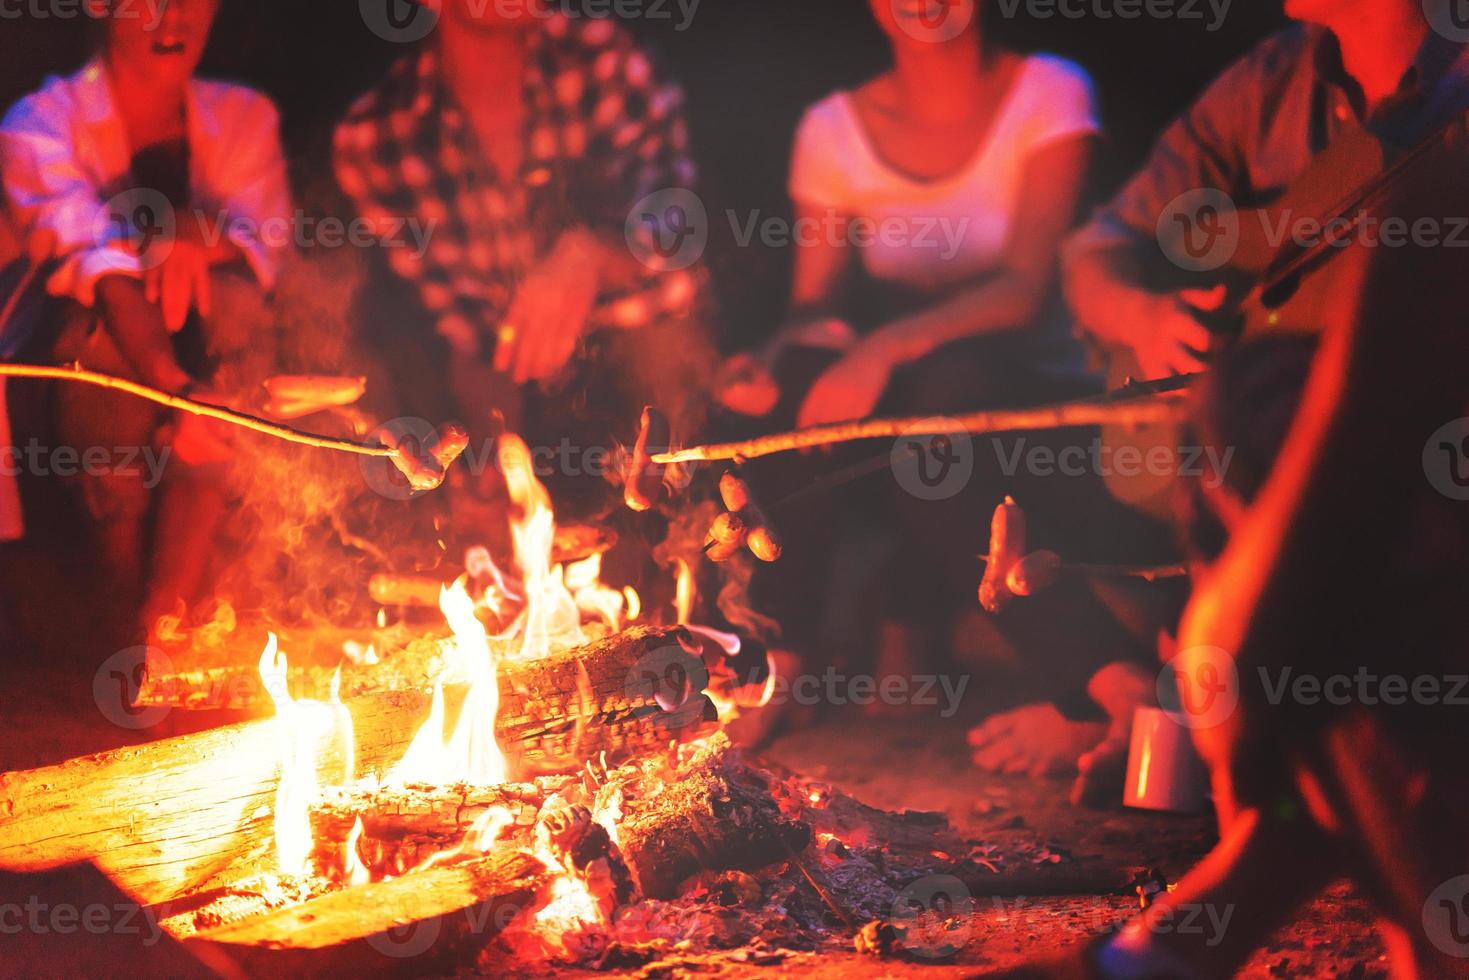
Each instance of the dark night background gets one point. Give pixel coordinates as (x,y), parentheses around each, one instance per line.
(749,68)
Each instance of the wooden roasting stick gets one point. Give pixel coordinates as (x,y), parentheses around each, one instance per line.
(423,473)
(1137,403)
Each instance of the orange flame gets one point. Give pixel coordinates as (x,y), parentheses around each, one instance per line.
(304,728)
(544,609)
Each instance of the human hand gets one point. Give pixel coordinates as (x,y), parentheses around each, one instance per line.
(550,311)
(181,281)
(850,388)
(744,384)
(1173,340)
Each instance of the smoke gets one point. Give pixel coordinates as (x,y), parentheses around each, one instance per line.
(306,530)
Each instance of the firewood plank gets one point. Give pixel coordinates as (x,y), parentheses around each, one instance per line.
(371,910)
(171,817)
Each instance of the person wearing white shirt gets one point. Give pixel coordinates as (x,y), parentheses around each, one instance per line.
(930,205)
(154,197)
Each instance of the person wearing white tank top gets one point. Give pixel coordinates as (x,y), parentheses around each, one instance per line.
(950,180)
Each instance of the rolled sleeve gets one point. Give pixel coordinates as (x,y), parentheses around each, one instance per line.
(49,194)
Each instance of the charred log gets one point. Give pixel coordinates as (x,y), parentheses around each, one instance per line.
(718,815)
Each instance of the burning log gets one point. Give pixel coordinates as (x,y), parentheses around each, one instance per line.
(561,710)
(170,817)
(450,905)
(717,815)
(403,826)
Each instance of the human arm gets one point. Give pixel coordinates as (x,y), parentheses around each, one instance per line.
(1009,297)
(1118,280)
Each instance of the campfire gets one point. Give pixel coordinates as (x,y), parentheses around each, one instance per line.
(556,785)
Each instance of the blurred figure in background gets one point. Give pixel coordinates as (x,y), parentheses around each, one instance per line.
(522,142)
(947,183)
(144,189)
(932,202)
(1254,132)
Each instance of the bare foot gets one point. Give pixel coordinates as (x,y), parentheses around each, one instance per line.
(1036,739)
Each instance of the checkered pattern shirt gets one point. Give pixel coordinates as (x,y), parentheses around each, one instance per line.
(603,130)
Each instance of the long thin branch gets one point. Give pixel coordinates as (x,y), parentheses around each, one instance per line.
(1137,403)
(273,429)
(1148,573)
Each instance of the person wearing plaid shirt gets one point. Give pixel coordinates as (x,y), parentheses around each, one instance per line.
(525,201)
